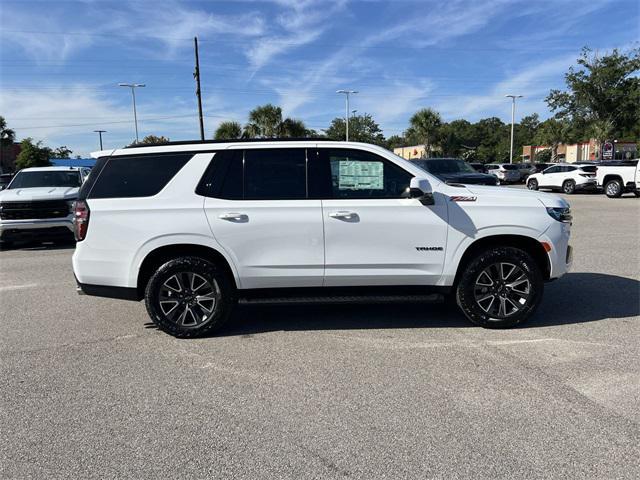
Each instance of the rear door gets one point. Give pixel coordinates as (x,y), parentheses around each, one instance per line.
(259,212)
(374,233)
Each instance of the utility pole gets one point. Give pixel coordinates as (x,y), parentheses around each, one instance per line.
(346,110)
(133,87)
(100,132)
(196,75)
(513,120)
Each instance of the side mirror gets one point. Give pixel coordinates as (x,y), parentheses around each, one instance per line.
(420,188)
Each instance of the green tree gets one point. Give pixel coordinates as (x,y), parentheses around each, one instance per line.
(543,156)
(7,137)
(424,126)
(61,152)
(553,132)
(228,131)
(602,90)
(266,121)
(395,141)
(33,154)
(362,128)
(153,139)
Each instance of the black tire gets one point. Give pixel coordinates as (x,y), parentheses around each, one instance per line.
(636,193)
(473,296)
(569,187)
(532,184)
(613,188)
(188,274)
(6,244)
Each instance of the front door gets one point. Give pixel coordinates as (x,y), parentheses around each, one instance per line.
(262,217)
(374,233)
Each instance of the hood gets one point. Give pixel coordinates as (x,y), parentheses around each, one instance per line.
(547,199)
(38,193)
(468,178)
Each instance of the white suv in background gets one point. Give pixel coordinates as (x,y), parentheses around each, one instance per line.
(565,177)
(214,223)
(504,172)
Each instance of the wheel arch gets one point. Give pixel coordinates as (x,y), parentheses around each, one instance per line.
(160,255)
(612,176)
(528,244)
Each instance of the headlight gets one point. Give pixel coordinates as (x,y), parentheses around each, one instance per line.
(561,214)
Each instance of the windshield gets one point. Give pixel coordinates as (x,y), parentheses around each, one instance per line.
(438,167)
(46,178)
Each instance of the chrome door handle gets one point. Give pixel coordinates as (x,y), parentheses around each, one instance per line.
(343,214)
(238,217)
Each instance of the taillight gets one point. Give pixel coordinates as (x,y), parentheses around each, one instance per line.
(81,219)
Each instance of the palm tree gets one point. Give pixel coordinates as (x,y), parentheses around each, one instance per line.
(601,130)
(553,132)
(7,137)
(292,128)
(228,131)
(266,121)
(424,124)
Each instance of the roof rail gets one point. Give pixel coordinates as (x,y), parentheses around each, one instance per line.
(238,140)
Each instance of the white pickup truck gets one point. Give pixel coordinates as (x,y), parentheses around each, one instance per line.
(618,179)
(38,203)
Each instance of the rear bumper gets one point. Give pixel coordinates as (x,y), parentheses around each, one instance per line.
(121,293)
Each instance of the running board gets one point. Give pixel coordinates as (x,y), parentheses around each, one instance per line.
(343,299)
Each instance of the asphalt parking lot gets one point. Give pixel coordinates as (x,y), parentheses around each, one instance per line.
(90,389)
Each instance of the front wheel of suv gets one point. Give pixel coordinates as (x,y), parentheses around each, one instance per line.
(500,288)
(189,297)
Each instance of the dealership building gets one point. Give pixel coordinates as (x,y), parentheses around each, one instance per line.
(584,151)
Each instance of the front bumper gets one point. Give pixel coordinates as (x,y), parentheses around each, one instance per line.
(561,253)
(34,229)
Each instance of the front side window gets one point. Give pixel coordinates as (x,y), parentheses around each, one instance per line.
(46,178)
(359,174)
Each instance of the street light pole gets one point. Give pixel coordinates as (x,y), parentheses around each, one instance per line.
(346,110)
(100,132)
(133,87)
(513,120)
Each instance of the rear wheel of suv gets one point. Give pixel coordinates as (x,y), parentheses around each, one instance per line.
(569,187)
(613,188)
(189,297)
(532,184)
(500,288)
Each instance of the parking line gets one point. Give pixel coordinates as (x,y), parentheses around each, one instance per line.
(18,287)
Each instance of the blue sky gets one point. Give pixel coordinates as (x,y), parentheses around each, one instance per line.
(61,60)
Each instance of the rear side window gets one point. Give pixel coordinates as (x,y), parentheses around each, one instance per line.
(135,176)
(275,174)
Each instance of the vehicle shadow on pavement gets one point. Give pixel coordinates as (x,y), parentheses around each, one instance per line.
(576,298)
(587,297)
(29,246)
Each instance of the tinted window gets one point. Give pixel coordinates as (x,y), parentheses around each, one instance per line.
(358,174)
(444,166)
(275,174)
(136,176)
(509,166)
(552,170)
(589,169)
(46,178)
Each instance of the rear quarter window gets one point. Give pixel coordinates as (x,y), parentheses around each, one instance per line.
(134,176)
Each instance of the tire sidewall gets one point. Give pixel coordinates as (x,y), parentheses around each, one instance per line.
(569,187)
(207,270)
(465,294)
(618,191)
(532,184)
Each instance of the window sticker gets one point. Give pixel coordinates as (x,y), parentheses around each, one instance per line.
(358,175)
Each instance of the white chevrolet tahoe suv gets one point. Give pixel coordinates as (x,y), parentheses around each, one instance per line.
(192,228)
(37,203)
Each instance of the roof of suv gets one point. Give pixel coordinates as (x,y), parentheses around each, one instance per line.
(213,145)
(49,169)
